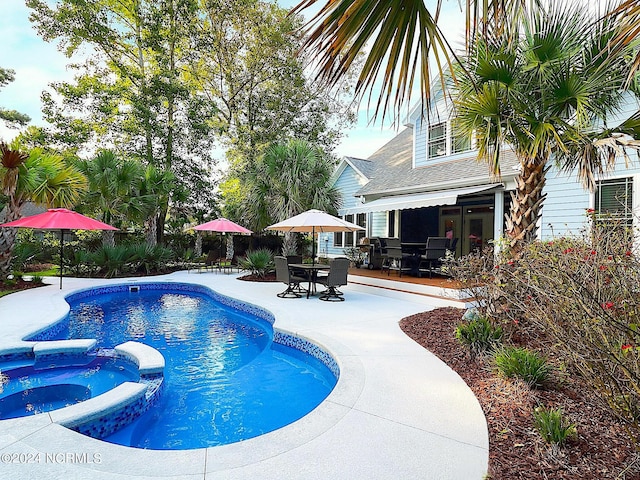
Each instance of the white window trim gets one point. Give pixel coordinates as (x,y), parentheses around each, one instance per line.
(448,142)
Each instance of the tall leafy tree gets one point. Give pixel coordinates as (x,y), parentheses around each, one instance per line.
(132,94)
(543,87)
(38,176)
(290,178)
(13,118)
(248,64)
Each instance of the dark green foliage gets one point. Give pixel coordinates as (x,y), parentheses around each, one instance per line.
(479,335)
(553,426)
(258,262)
(516,362)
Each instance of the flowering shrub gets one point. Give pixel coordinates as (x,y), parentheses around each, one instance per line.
(581,295)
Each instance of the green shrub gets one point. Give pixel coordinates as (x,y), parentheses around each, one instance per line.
(37,279)
(524,364)
(259,262)
(553,426)
(112,261)
(479,335)
(146,258)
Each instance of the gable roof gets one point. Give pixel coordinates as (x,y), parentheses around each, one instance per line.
(364,167)
(394,173)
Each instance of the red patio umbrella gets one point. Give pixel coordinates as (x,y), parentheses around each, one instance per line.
(221,225)
(59,219)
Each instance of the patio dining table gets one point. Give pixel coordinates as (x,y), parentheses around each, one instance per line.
(311,272)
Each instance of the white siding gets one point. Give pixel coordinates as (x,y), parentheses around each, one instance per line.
(348,183)
(563,212)
(564,209)
(420,142)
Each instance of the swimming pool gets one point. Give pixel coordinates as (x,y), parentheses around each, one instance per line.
(226,379)
(30,389)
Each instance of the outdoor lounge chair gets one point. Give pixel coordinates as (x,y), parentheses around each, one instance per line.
(435,251)
(210,263)
(284,275)
(339,268)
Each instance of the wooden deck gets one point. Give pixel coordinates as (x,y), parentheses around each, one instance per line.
(436,281)
(436,291)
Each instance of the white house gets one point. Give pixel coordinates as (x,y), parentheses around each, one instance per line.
(427,181)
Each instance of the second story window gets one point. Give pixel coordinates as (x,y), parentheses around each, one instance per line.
(459,142)
(444,140)
(437,141)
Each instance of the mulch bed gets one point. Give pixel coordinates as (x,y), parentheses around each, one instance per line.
(19,285)
(271,277)
(516,451)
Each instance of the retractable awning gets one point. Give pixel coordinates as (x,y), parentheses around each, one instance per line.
(417,200)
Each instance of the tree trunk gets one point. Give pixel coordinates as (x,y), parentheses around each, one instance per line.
(198,247)
(230,252)
(108,238)
(8,237)
(526,204)
(289,244)
(152,227)
(160,223)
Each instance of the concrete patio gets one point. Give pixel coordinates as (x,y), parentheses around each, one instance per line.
(397,411)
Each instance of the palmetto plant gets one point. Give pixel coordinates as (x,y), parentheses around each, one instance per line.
(543,87)
(38,176)
(289,179)
(113,190)
(400,36)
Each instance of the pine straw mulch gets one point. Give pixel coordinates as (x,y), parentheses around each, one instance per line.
(516,451)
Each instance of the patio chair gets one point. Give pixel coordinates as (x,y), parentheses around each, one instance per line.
(292,259)
(339,268)
(284,275)
(394,258)
(435,251)
(210,263)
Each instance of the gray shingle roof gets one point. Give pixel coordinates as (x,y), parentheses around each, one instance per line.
(366,167)
(393,170)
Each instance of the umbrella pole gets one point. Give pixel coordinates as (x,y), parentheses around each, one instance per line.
(61,254)
(313,246)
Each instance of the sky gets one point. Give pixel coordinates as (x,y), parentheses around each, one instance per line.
(37,63)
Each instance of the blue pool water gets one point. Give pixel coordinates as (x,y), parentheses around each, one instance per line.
(31,389)
(225,380)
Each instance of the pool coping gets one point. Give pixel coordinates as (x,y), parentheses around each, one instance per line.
(31,433)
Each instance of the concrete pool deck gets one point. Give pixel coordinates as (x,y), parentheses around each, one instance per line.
(397,411)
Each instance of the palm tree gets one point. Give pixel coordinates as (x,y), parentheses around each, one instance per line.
(113,191)
(288,179)
(154,190)
(542,87)
(404,33)
(40,177)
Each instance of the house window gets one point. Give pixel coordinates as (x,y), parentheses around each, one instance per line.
(444,139)
(348,236)
(361,221)
(337,239)
(460,143)
(614,200)
(437,141)
(391,223)
(348,239)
